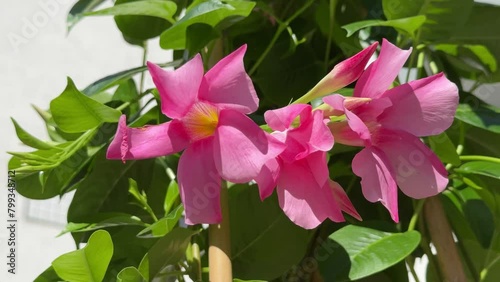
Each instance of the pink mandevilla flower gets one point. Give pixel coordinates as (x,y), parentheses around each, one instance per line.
(306,193)
(209,121)
(388,123)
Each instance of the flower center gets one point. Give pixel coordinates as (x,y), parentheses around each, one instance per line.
(201,120)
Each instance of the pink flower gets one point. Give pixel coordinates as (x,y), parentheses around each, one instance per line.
(306,193)
(388,123)
(209,121)
(343,74)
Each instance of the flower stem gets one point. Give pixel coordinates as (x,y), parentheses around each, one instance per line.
(416,214)
(144,59)
(480,158)
(219,250)
(282,26)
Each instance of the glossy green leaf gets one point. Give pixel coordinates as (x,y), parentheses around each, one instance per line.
(130,274)
(79,9)
(485,168)
(88,264)
(74,112)
(170,249)
(121,220)
(463,53)
(444,149)
(210,12)
(362,251)
(119,77)
(482,116)
(171,196)
(155,8)
(408,25)
(29,139)
(256,229)
(164,225)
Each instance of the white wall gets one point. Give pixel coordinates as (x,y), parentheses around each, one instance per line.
(34,64)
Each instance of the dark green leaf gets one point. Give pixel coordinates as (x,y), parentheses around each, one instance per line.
(444,18)
(168,250)
(478,30)
(481,167)
(164,225)
(408,25)
(256,229)
(74,112)
(130,274)
(398,9)
(444,149)
(122,220)
(363,251)
(119,77)
(482,116)
(210,12)
(463,53)
(77,11)
(155,8)
(198,35)
(89,263)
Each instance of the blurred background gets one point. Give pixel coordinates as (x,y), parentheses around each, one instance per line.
(36,56)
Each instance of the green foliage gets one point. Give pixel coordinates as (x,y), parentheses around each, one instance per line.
(89,263)
(130,214)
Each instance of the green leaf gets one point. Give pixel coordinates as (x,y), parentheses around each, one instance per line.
(88,264)
(171,196)
(408,25)
(363,251)
(49,275)
(398,9)
(477,30)
(130,274)
(211,12)
(141,198)
(119,77)
(74,112)
(162,226)
(489,169)
(463,52)
(168,250)
(29,139)
(121,220)
(198,35)
(155,8)
(444,149)
(77,11)
(261,235)
(482,116)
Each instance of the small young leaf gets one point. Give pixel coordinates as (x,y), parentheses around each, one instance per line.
(74,112)
(162,226)
(408,25)
(489,169)
(29,139)
(89,263)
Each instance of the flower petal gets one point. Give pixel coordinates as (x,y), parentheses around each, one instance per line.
(242,147)
(377,78)
(281,119)
(342,200)
(419,172)
(178,89)
(268,178)
(305,201)
(344,73)
(422,107)
(200,183)
(377,179)
(147,142)
(229,86)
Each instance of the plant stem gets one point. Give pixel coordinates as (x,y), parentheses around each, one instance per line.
(144,59)
(410,261)
(416,214)
(480,158)
(219,250)
(196,262)
(333,4)
(440,231)
(281,28)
